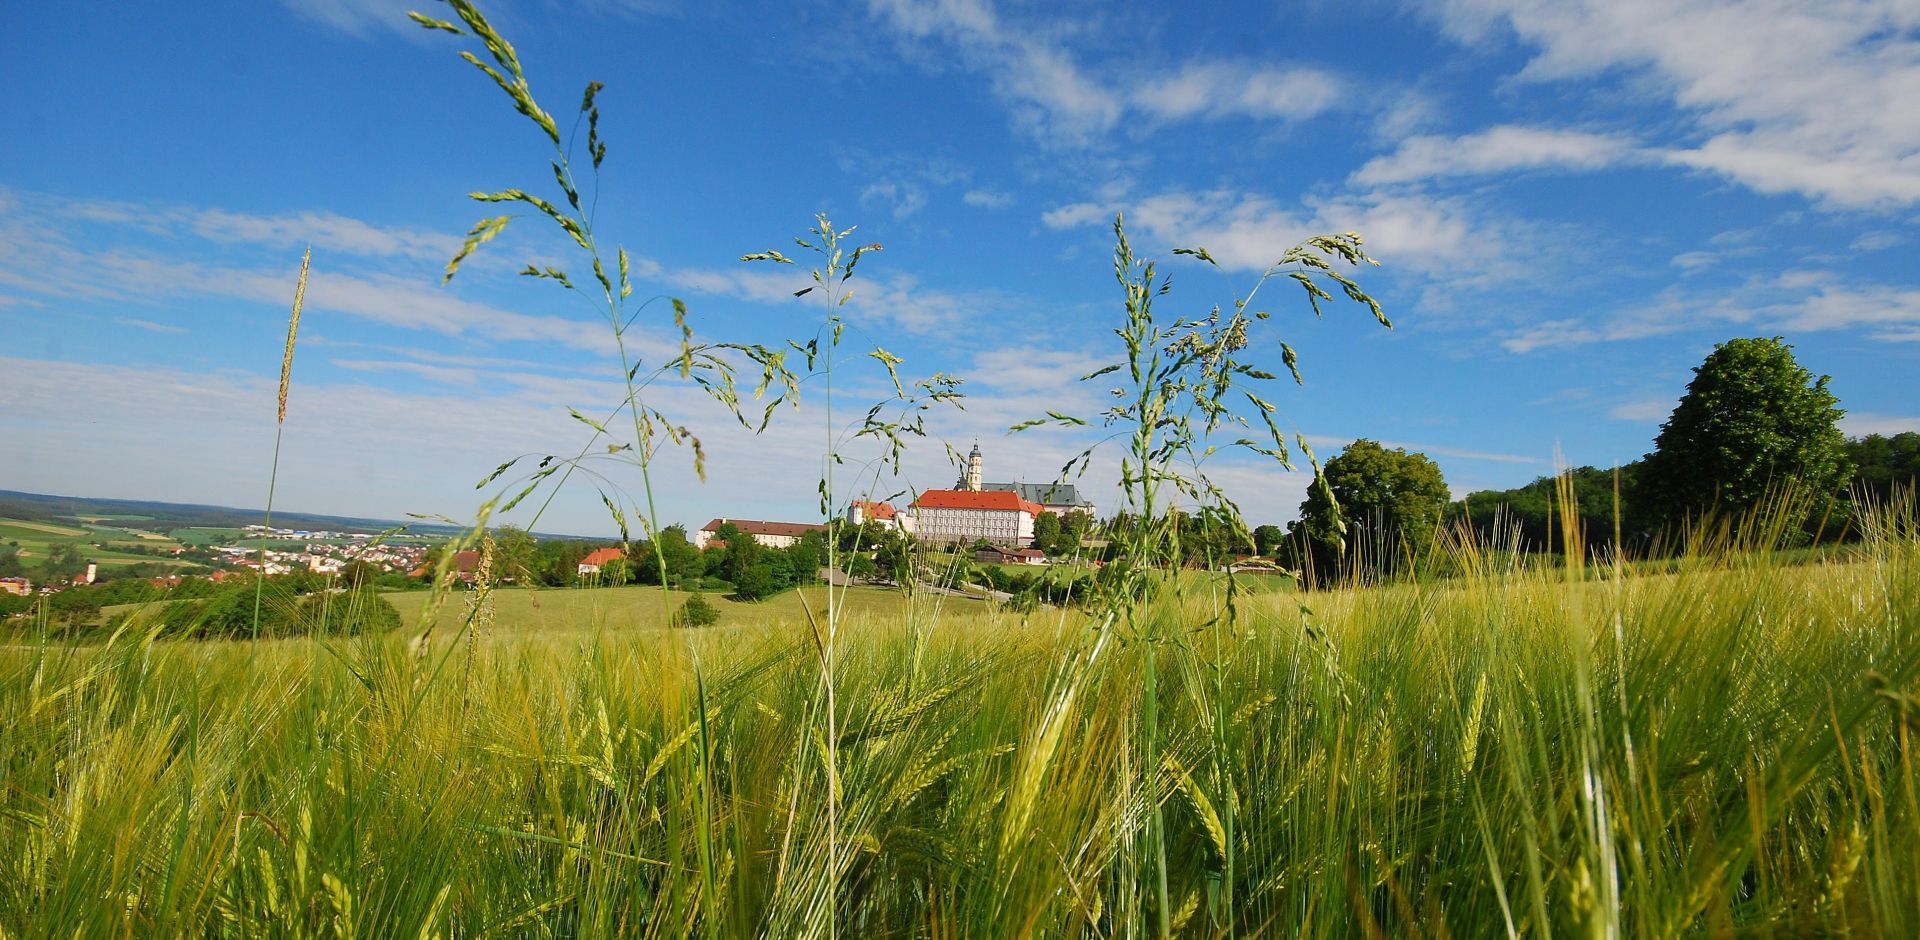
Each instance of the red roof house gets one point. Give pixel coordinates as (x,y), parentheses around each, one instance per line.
(590,565)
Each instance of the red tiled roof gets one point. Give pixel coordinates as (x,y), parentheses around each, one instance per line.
(881,511)
(601,556)
(1003,500)
(757,527)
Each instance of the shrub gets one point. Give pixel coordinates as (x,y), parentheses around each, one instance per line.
(348,612)
(696,612)
(758,581)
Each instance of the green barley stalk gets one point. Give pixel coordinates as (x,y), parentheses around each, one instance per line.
(279,427)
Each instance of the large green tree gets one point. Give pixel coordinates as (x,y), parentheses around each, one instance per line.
(1753,421)
(1046,532)
(1390,500)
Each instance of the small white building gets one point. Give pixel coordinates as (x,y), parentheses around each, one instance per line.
(862,512)
(769,534)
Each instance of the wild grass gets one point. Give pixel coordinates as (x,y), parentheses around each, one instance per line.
(1723,748)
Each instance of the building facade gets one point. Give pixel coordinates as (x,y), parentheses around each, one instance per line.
(950,516)
(861,512)
(770,534)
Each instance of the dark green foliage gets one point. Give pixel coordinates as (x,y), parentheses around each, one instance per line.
(1881,462)
(351,613)
(1390,501)
(805,557)
(616,572)
(514,552)
(1268,539)
(10,564)
(1752,423)
(757,582)
(1046,532)
(696,612)
(65,561)
(1532,512)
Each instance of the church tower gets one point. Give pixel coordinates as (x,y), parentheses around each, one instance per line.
(973,469)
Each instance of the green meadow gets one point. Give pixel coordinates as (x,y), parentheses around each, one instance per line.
(104,544)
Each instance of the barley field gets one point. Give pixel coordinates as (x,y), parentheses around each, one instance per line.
(1723,749)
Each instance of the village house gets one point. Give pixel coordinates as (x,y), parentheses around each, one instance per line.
(769,534)
(590,565)
(19,586)
(1002,555)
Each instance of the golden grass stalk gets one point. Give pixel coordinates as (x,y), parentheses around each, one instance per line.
(293,331)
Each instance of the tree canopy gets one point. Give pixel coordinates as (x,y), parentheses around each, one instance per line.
(1752,421)
(1390,500)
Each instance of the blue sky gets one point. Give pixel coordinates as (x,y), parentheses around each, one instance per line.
(1571,201)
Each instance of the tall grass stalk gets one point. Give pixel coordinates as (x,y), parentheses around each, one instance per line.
(279,427)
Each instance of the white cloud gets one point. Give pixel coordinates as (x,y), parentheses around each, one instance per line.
(356,17)
(1879,240)
(1049,91)
(1495,150)
(1789,95)
(1064,102)
(1024,369)
(901,199)
(988,198)
(1075,215)
(1646,409)
(1222,89)
(149,325)
(1427,234)
(324,230)
(1798,301)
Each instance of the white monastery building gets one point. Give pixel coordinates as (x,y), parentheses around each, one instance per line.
(1001,513)
(770,534)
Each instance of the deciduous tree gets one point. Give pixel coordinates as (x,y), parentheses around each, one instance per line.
(1752,420)
(1390,501)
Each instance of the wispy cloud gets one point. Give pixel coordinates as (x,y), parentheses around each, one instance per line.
(989,198)
(1790,97)
(1062,101)
(149,325)
(1804,301)
(1645,409)
(1424,233)
(1501,149)
(1239,89)
(60,249)
(356,17)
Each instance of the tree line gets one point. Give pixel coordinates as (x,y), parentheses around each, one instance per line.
(1755,431)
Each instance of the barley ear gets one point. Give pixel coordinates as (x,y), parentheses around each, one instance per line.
(293,330)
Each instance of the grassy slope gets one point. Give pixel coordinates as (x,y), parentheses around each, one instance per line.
(1696,752)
